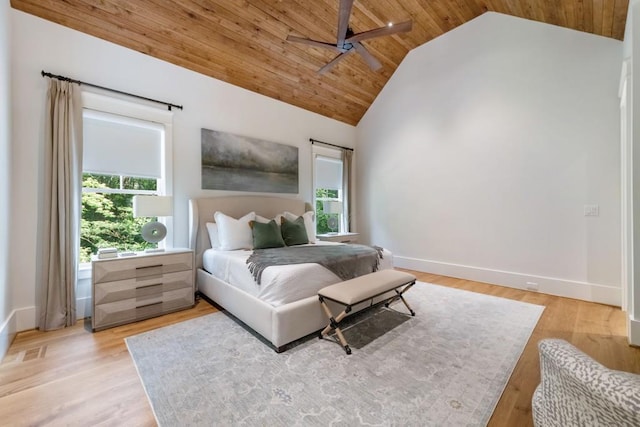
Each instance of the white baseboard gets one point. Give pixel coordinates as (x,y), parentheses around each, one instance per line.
(19,320)
(25,318)
(7,333)
(633,328)
(603,294)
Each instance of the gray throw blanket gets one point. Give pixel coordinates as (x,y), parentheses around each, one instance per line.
(345,261)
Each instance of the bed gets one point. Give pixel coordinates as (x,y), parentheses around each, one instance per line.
(279,321)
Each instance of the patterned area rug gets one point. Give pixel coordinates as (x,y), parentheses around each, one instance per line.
(446,366)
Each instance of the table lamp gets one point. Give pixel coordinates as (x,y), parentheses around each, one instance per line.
(153,206)
(332,207)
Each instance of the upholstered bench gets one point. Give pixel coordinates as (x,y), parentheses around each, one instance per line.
(363,288)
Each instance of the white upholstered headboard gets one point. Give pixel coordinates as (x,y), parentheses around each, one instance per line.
(201,211)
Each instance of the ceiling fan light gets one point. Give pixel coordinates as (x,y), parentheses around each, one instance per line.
(390,24)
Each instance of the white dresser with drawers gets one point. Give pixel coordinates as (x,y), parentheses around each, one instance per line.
(131,288)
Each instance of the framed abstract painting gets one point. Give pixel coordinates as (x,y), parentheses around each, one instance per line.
(239,163)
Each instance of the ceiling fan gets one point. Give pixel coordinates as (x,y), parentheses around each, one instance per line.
(348,42)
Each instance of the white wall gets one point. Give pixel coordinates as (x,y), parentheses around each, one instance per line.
(477,158)
(41,45)
(7,323)
(632,52)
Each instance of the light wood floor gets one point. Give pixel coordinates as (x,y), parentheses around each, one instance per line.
(75,377)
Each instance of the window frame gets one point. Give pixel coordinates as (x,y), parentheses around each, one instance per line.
(117,106)
(330,154)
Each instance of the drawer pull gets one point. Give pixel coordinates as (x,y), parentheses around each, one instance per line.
(149,266)
(149,286)
(148,305)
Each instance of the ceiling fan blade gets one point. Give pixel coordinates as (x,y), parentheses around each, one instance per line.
(343,20)
(334,61)
(382,31)
(371,60)
(314,43)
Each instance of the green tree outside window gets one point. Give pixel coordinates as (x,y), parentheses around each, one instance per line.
(322,195)
(107,217)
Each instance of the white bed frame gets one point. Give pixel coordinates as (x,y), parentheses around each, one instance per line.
(278,325)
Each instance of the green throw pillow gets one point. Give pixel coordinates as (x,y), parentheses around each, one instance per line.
(266,235)
(294,232)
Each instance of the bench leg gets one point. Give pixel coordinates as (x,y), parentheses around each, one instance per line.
(333,324)
(399,296)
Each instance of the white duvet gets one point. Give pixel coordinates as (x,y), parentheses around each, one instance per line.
(279,284)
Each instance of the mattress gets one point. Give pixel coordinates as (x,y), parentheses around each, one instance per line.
(280,284)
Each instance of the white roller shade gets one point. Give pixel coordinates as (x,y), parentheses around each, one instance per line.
(116,145)
(328,173)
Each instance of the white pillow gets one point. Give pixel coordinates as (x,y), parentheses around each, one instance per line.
(212,229)
(264,220)
(234,233)
(309,224)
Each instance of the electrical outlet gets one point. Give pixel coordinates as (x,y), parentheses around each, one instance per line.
(591,210)
(532,286)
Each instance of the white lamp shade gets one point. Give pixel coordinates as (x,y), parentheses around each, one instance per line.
(332,207)
(150,206)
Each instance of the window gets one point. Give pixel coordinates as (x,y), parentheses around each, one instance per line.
(328,192)
(107,213)
(124,154)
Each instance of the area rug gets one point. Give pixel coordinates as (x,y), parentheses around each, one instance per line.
(448,365)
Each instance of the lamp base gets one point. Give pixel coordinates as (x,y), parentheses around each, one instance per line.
(153,232)
(332,223)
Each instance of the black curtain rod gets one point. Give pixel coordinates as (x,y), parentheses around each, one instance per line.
(313,141)
(67,79)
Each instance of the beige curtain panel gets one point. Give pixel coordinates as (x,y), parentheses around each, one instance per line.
(61,209)
(347,190)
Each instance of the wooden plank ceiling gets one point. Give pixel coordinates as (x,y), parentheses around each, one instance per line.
(243,41)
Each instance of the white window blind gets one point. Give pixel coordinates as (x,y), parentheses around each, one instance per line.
(117,145)
(328,173)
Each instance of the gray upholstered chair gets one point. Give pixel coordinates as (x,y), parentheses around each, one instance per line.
(575,390)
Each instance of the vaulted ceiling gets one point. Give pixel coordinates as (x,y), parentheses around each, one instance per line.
(243,42)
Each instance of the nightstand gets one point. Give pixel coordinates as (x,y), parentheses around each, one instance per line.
(339,237)
(131,288)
